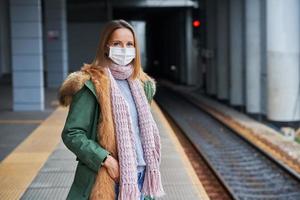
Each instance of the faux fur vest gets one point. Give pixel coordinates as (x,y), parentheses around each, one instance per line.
(103,188)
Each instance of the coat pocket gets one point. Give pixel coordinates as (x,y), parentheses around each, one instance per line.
(83,179)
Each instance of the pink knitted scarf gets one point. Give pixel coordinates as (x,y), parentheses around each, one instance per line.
(149,134)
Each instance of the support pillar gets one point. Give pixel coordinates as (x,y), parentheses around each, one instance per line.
(56,42)
(253,55)
(211,76)
(222,50)
(191,69)
(5,61)
(283,60)
(236,61)
(27,55)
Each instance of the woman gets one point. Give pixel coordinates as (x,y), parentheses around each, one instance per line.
(109,126)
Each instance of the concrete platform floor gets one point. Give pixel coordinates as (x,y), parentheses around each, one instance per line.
(41,167)
(16,126)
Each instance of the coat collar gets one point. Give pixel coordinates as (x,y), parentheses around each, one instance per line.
(89,84)
(76,80)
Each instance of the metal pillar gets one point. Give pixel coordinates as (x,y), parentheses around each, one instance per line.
(27,55)
(56,42)
(236,60)
(283,60)
(222,50)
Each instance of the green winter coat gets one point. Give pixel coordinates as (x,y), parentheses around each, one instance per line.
(79,135)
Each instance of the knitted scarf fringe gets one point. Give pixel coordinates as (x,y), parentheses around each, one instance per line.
(152,184)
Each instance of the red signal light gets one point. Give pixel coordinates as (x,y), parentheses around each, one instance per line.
(196,23)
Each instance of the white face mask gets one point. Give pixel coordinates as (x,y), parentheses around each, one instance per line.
(121,56)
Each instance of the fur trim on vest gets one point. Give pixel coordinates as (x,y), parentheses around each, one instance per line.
(104,186)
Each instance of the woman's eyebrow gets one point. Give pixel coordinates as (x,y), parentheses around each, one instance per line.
(116,41)
(119,41)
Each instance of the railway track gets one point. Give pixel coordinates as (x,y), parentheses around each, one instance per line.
(245,171)
(212,185)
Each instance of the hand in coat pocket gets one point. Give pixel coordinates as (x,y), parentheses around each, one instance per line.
(112,167)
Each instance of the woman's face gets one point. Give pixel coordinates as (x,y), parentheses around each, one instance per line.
(121,37)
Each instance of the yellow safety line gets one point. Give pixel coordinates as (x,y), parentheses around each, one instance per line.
(20,167)
(187,164)
(20,121)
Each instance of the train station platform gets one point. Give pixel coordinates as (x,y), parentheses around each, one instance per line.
(35,164)
(41,167)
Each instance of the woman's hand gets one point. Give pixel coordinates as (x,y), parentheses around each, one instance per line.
(112,166)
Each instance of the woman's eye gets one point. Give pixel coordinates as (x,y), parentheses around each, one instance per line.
(116,44)
(129,44)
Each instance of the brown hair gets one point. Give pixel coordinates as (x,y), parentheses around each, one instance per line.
(107,30)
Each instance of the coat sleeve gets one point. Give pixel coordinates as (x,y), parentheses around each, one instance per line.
(79,121)
(150,90)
